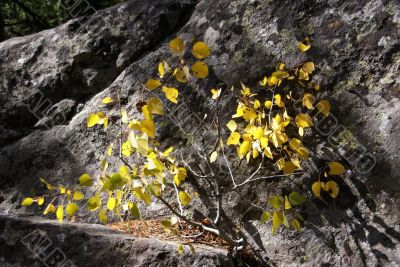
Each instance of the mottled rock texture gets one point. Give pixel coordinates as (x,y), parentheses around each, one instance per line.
(356,48)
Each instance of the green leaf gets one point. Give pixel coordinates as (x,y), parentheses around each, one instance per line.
(184,198)
(94,203)
(103,216)
(135,212)
(265,216)
(296,199)
(180,248)
(276,202)
(85,180)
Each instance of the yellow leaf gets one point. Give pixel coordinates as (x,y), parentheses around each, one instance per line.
(294,144)
(126,149)
(50,209)
(181,76)
(287,204)
(303,120)
(301,131)
(110,150)
(103,216)
(268,104)
(111,203)
(296,224)
(85,180)
(124,116)
(258,132)
(308,67)
(107,100)
(277,220)
(71,209)
(48,185)
(200,70)
(171,94)
(60,213)
(213,156)
(308,100)
(324,107)
(264,81)
(231,125)
(200,50)
(78,195)
(332,188)
(180,177)
(304,45)
(161,71)
(316,189)
(63,190)
(184,198)
(233,139)
(27,201)
(267,152)
(180,248)
(215,93)
(335,168)
(249,114)
(149,128)
(275,201)
(278,101)
(177,46)
(257,104)
(153,84)
(92,120)
(302,152)
(94,202)
(244,148)
(265,216)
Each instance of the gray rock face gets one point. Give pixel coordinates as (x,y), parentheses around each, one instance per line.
(34,241)
(356,48)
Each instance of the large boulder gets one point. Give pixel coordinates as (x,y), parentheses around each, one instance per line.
(356,48)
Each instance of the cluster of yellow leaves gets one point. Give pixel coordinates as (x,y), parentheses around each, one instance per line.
(335,168)
(282,208)
(182,73)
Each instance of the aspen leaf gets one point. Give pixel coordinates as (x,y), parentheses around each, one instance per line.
(304,45)
(296,199)
(200,70)
(200,50)
(303,120)
(27,201)
(49,209)
(231,125)
(268,153)
(94,202)
(268,104)
(213,156)
(124,116)
(233,139)
(48,185)
(244,148)
(264,81)
(294,144)
(301,131)
(332,188)
(316,189)
(107,100)
(285,221)
(324,107)
(296,224)
(135,212)
(275,201)
(149,128)
(265,216)
(126,149)
(184,198)
(78,195)
(180,248)
(171,94)
(111,203)
(110,150)
(103,216)
(308,100)
(257,104)
(85,180)
(249,114)
(288,206)
(277,220)
(278,101)
(161,72)
(181,76)
(335,168)
(180,177)
(308,67)
(71,209)
(177,46)
(153,84)
(60,213)
(92,120)
(215,93)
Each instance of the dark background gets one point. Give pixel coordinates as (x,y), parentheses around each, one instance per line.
(23,17)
